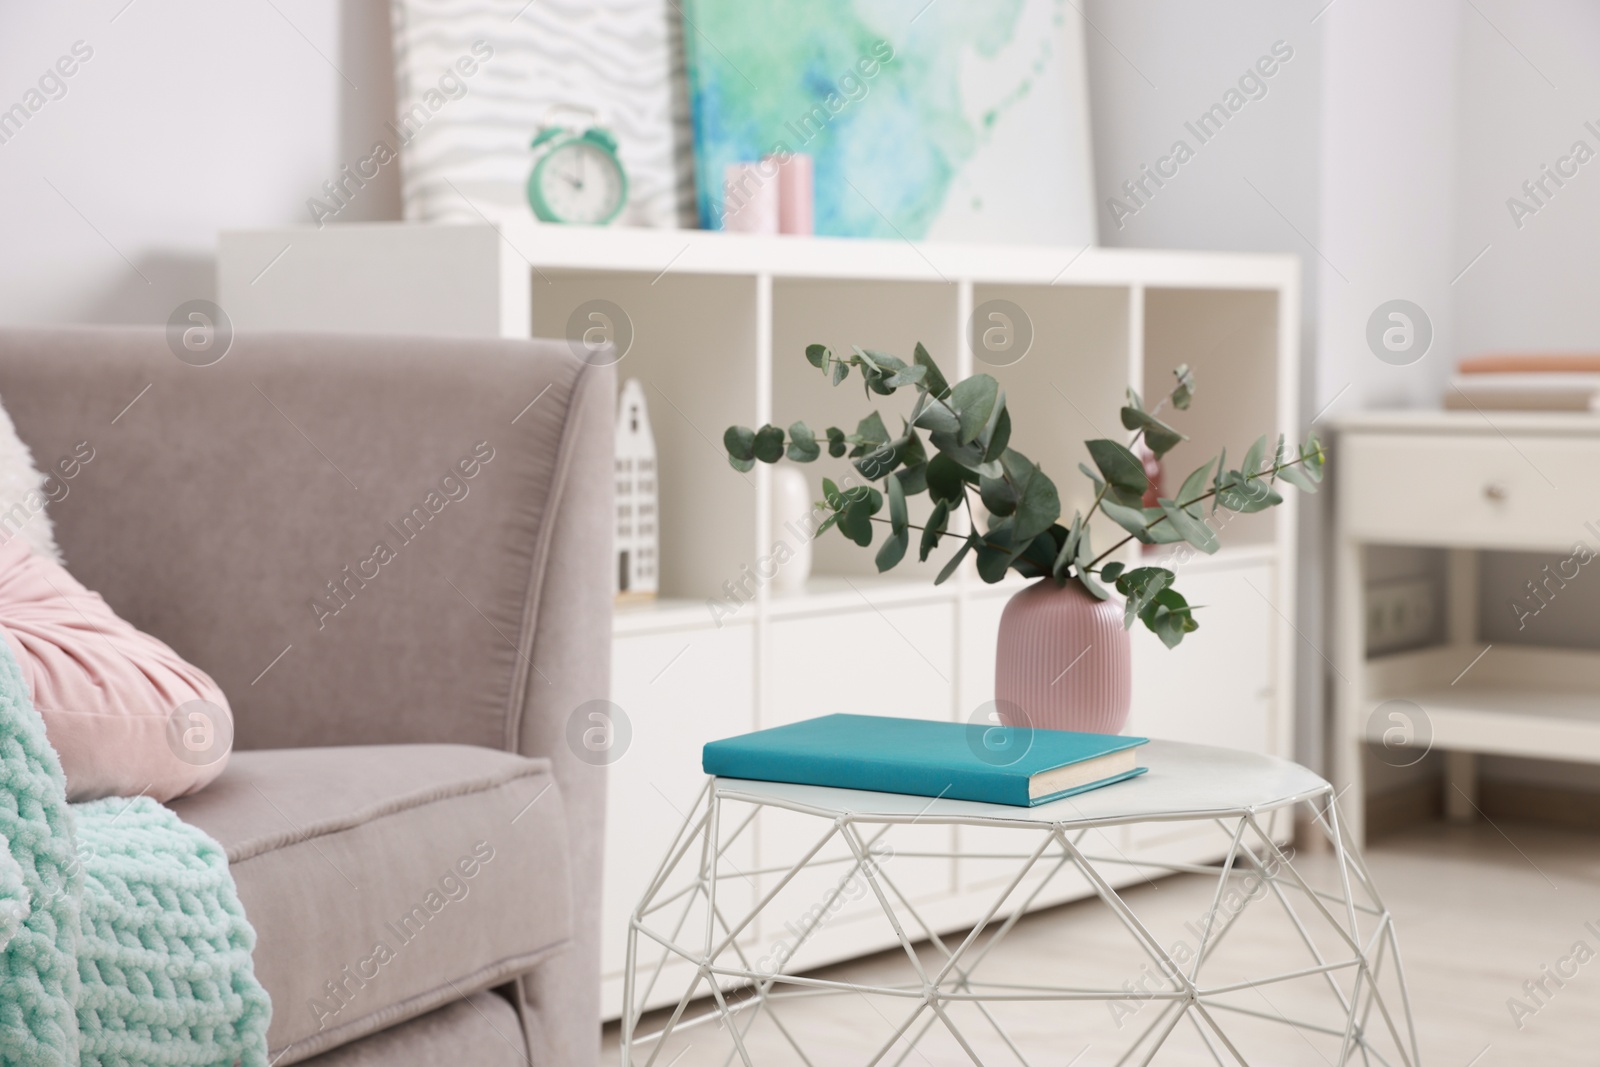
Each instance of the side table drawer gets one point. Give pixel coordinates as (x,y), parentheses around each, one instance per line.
(1468,490)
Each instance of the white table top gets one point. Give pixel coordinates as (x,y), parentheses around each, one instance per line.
(1184,781)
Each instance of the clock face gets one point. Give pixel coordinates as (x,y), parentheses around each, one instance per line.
(580,182)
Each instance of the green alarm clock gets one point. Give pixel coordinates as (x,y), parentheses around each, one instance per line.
(578,177)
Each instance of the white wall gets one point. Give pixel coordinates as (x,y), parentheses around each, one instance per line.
(188,117)
(1389,176)
(1155,66)
(1349,161)
(1523,102)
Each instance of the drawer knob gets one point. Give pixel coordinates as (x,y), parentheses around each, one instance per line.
(1495,491)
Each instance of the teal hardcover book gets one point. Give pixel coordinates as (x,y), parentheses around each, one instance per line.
(991,764)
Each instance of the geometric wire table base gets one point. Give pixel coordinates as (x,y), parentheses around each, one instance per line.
(1351,1004)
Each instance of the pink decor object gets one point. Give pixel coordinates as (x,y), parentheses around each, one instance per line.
(109,694)
(750,197)
(1154,488)
(1063,661)
(795,196)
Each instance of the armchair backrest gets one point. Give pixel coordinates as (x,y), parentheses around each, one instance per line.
(359,538)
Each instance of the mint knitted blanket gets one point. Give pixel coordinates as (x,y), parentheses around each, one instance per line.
(122,940)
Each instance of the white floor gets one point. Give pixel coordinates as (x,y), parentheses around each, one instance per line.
(1481,910)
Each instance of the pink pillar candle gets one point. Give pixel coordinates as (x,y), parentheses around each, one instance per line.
(795,195)
(750,197)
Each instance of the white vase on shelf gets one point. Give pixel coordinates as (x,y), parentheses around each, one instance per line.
(791,510)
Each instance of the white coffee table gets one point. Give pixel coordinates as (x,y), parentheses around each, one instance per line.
(1349,952)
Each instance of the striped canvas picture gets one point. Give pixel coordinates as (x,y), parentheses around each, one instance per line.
(475,79)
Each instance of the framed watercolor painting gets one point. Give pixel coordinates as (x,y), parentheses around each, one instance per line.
(961,120)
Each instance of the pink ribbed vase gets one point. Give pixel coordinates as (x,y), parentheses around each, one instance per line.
(1064,660)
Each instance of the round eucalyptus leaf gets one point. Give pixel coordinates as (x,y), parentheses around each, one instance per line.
(740,441)
(769,444)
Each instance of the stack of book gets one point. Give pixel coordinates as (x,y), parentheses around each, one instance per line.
(1567,381)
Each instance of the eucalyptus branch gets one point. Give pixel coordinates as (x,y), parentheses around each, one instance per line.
(967,423)
(940,535)
(913,526)
(1202,498)
(1101,495)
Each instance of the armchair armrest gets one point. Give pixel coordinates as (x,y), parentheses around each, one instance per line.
(362,539)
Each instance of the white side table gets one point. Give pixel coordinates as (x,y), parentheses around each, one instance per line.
(701,908)
(1465,482)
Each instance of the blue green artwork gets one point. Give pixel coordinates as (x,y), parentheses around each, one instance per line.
(947,120)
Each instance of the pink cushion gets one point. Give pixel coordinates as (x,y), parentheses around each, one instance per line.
(105,690)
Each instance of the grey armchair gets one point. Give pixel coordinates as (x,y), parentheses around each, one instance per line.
(394,556)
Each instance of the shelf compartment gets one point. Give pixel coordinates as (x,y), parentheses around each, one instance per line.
(889,316)
(1069,385)
(699,377)
(1541,703)
(1228,338)
(1548,725)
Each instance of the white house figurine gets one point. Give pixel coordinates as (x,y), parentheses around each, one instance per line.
(637,541)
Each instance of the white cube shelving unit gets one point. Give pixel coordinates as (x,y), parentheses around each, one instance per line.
(720,322)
